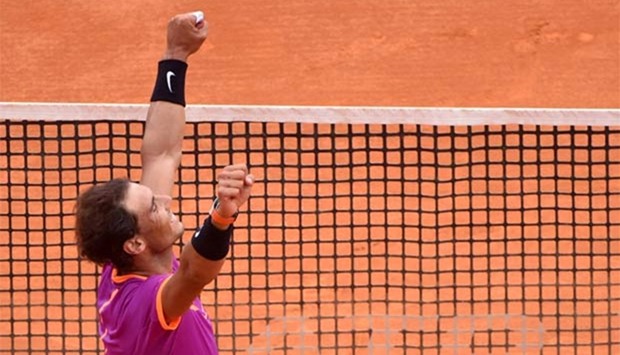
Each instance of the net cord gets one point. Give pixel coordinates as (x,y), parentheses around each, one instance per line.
(453,116)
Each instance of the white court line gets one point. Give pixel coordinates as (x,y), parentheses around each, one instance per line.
(453,116)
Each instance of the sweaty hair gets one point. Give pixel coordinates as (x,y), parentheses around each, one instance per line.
(103,224)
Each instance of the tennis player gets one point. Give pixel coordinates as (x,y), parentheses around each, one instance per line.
(148,301)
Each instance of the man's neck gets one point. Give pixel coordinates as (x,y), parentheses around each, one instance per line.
(152,264)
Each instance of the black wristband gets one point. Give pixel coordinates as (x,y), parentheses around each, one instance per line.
(170,82)
(210,242)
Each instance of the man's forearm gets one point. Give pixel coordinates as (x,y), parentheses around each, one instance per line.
(165,119)
(163,132)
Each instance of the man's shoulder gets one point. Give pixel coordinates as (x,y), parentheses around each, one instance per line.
(127,285)
(131,295)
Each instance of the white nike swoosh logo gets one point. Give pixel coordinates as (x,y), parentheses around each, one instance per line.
(197,234)
(169,75)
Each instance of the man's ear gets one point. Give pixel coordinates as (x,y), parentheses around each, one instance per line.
(134,246)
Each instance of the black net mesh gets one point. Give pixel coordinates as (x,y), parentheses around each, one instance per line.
(382,238)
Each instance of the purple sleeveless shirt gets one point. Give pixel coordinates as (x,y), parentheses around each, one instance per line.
(131,319)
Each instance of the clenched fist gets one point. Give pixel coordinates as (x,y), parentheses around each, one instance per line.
(233,189)
(185,36)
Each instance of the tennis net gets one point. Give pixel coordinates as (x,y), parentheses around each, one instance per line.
(369,230)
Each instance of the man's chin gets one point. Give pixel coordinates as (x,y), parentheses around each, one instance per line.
(181,230)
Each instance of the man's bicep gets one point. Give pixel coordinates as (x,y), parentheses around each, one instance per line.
(158,173)
(194,273)
(176,296)
(162,145)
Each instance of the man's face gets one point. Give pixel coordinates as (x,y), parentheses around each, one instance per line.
(156,223)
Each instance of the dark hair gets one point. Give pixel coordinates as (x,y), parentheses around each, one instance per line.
(103,224)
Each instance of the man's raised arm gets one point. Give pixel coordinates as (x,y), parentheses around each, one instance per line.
(165,122)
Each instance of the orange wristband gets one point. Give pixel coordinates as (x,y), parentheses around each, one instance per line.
(215,217)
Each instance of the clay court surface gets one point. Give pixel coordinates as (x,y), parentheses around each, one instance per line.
(562,54)
(379,53)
